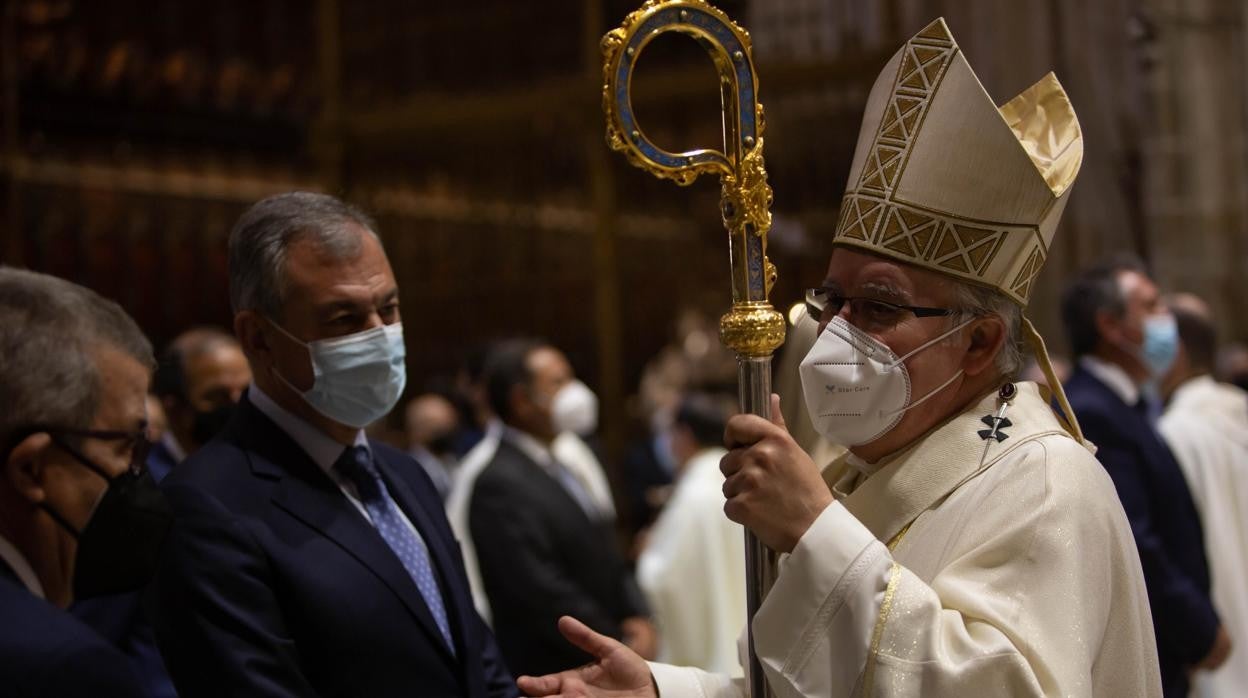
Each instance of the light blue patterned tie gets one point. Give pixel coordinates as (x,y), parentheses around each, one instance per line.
(357,466)
(576,489)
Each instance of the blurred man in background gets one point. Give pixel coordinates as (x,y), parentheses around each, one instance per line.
(692,564)
(545,545)
(200,379)
(432,423)
(1206,426)
(78,517)
(569,447)
(1125,340)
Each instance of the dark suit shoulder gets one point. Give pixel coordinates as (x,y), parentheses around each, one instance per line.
(509,467)
(1097,407)
(1086,391)
(221,470)
(217,462)
(45,651)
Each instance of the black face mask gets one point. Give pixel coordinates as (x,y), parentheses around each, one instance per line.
(120,546)
(208,424)
(443,445)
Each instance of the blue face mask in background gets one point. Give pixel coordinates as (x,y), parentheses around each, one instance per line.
(357,378)
(1161,344)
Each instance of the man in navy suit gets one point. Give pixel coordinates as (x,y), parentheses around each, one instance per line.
(307,559)
(1124,339)
(77,515)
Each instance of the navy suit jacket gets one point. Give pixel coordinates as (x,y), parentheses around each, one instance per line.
(48,653)
(1163,519)
(273,584)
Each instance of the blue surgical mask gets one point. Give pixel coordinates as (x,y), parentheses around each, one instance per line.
(357,378)
(1161,344)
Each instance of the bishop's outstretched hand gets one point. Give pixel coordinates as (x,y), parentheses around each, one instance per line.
(616,672)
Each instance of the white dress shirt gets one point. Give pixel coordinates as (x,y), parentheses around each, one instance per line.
(323,450)
(1113,377)
(457,509)
(17,562)
(172,445)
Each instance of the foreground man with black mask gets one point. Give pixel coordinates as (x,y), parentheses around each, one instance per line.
(79,517)
(969,544)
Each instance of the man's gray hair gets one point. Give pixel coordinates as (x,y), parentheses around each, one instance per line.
(973,300)
(50,330)
(263,236)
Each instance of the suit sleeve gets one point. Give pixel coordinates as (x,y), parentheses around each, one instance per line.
(517,560)
(499,682)
(634,599)
(1183,613)
(218,621)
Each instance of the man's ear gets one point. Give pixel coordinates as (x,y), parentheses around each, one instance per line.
(987,335)
(249,327)
(25,465)
(1108,327)
(519,401)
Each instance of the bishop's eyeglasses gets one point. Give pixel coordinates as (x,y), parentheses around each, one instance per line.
(823,304)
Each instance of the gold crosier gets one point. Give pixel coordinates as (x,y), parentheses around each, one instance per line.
(753,329)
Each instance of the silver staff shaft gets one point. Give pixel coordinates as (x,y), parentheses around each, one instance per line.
(754,388)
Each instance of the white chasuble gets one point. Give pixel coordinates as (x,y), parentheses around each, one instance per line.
(1206,425)
(1013,572)
(692,571)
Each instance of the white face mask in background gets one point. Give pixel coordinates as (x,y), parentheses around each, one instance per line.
(357,378)
(856,388)
(574,408)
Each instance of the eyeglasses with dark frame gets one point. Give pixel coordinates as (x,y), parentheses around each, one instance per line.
(824,303)
(138,451)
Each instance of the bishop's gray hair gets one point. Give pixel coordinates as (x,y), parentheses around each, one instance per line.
(263,236)
(973,300)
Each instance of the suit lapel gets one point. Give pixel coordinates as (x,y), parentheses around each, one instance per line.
(554,493)
(305,492)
